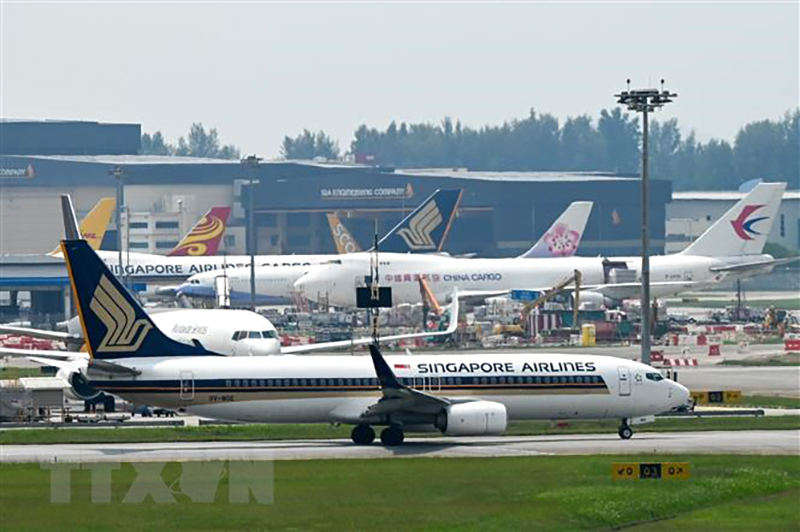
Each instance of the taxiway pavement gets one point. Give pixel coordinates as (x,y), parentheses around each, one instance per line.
(781,442)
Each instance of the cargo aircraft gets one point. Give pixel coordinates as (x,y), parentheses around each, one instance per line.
(277,285)
(731,248)
(419,234)
(424,230)
(458,395)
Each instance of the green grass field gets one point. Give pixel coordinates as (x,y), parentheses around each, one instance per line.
(10,372)
(286,432)
(792,359)
(768,401)
(519,493)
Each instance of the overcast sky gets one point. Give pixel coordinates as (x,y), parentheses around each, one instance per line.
(259,71)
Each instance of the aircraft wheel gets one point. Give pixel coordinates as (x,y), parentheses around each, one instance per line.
(391,436)
(625,432)
(363,435)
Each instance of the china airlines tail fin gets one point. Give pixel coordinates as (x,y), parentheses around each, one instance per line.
(344,240)
(205,236)
(744,229)
(93,226)
(426,228)
(564,236)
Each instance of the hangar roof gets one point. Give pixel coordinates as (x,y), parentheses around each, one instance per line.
(723,195)
(513,176)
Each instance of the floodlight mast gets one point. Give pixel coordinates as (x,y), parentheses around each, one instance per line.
(645,101)
(119,174)
(251,163)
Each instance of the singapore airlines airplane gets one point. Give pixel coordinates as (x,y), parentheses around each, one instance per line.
(277,285)
(458,395)
(425,229)
(732,247)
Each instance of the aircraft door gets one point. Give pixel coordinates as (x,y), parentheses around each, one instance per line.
(624,381)
(187,386)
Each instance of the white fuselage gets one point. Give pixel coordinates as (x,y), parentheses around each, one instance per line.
(147,267)
(274,284)
(401,272)
(215,329)
(326,389)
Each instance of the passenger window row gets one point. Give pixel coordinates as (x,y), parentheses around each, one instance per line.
(410,381)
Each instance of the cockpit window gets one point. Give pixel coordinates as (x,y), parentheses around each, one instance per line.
(655,377)
(254,334)
(236,336)
(269,334)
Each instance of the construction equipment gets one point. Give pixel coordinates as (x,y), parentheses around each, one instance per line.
(575,278)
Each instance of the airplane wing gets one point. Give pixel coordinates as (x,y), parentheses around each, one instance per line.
(621,291)
(39,333)
(41,353)
(753,267)
(397,396)
(451,328)
(616,291)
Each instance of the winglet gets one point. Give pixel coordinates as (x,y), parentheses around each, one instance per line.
(386,376)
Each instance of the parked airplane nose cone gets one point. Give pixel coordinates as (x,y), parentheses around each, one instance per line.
(313,283)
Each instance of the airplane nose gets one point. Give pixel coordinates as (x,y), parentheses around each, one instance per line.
(311,284)
(681,397)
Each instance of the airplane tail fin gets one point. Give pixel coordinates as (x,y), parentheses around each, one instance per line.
(93,226)
(564,236)
(114,324)
(744,229)
(205,236)
(426,228)
(344,240)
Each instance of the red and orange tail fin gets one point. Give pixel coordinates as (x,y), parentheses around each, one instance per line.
(205,236)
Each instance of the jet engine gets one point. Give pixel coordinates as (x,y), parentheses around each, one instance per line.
(595,301)
(475,418)
(80,386)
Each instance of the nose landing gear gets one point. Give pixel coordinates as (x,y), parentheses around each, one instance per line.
(625,431)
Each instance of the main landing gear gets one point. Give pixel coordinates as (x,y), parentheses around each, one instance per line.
(365,435)
(625,430)
(392,435)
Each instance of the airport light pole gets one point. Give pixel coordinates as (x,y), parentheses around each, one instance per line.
(645,101)
(119,173)
(251,163)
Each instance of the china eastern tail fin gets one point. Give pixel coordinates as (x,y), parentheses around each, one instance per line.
(563,237)
(205,236)
(114,324)
(94,225)
(426,228)
(744,229)
(344,240)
